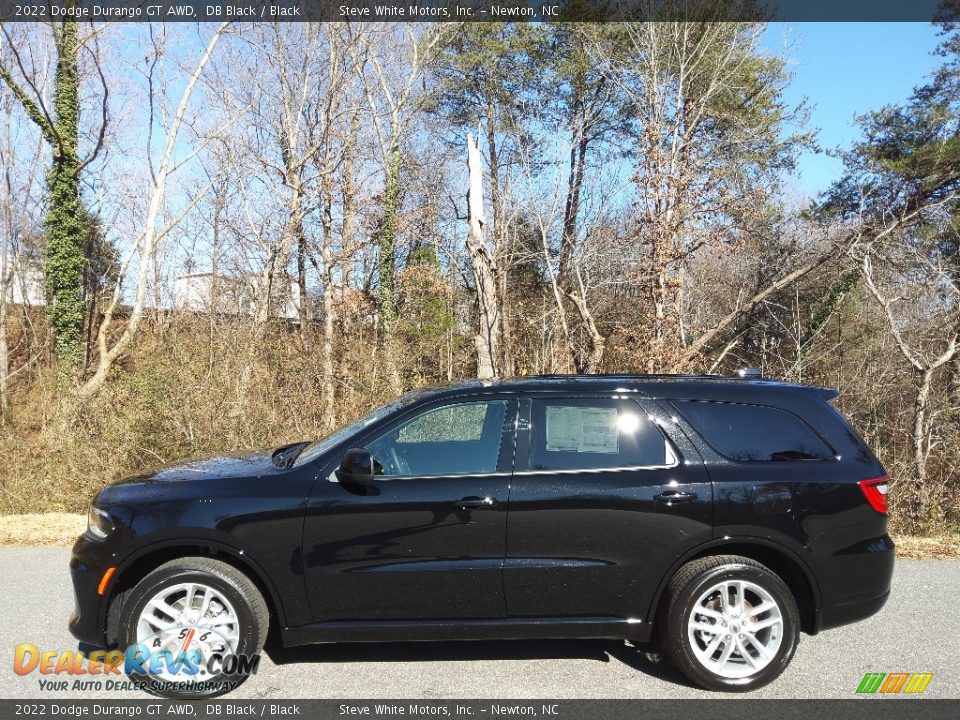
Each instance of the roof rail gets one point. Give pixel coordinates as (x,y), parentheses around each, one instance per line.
(749,373)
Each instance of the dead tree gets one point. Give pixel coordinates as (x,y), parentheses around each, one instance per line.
(484,269)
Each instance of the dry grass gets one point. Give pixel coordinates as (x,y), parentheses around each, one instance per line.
(41,528)
(178,395)
(935,547)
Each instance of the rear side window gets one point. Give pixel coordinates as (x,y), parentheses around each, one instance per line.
(594,434)
(754,433)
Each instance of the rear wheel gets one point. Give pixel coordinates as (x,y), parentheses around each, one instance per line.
(730,623)
(193,620)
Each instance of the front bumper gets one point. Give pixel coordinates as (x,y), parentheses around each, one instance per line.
(88,621)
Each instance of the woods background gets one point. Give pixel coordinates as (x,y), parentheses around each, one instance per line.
(236,236)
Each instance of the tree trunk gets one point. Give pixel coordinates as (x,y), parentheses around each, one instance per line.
(484,270)
(303,308)
(589,363)
(6,264)
(921,442)
(499,236)
(579,141)
(66,225)
(215,304)
(561,309)
(4,351)
(276,265)
(348,239)
(326,366)
(326,362)
(386,265)
(264,290)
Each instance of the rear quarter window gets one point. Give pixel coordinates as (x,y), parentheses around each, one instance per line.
(754,433)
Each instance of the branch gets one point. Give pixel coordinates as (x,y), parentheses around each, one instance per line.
(103,115)
(867,269)
(716,363)
(701,342)
(36,112)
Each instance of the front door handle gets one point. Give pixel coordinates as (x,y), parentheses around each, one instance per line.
(473,502)
(673,497)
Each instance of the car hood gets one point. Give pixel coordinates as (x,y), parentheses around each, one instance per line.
(244,464)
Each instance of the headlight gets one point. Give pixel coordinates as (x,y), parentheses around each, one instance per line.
(99,523)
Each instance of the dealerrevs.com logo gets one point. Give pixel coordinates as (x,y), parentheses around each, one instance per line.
(176,662)
(899,683)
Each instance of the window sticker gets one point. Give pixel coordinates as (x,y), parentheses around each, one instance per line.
(582,429)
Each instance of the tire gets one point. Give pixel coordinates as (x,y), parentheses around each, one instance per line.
(236,615)
(756,657)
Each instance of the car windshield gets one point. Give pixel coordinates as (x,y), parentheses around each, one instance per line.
(319,447)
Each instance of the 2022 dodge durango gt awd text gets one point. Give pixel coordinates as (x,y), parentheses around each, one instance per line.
(718,517)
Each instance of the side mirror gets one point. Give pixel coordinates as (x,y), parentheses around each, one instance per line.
(357,465)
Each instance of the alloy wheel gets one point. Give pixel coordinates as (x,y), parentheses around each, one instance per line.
(188,618)
(735,629)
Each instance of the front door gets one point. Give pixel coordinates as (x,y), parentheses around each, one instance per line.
(426,538)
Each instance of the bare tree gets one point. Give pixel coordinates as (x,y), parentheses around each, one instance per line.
(709,147)
(920,285)
(20,166)
(484,269)
(390,88)
(338,110)
(145,246)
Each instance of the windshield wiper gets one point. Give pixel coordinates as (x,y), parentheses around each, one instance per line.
(283,457)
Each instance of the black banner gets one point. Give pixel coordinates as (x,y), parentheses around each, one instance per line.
(854,709)
(475,10)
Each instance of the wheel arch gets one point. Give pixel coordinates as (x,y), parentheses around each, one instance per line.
(137,566)
(781,560)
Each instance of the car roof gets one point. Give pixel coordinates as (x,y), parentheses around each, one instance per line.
(706,387)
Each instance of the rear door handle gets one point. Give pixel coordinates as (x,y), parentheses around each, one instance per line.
(473,502)
(673,497)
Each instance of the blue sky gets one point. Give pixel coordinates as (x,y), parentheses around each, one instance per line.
(849,68)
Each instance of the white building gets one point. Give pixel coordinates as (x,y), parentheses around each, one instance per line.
(232,295)
(26,281)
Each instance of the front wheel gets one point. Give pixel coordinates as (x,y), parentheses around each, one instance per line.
(731,623)
(192,628)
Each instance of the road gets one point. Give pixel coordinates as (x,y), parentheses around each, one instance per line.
(917,631)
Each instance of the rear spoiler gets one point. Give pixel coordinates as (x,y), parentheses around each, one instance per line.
(752,373)
(824,393)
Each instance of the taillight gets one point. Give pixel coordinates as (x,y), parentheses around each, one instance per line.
(875,490)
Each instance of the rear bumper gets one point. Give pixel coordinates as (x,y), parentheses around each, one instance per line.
(845,613)
(87,622)
(860,578)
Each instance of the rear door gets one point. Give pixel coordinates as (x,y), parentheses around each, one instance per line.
(606,494)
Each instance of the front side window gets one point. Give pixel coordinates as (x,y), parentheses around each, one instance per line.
(588,433)
(461,439)
(753,433)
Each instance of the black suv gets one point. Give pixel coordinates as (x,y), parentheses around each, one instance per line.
(715,516)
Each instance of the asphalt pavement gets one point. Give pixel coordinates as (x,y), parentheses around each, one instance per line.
(917,631)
